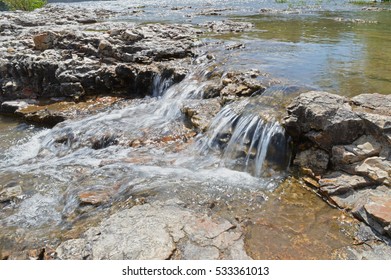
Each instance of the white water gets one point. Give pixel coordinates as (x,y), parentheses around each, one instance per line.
(94,154)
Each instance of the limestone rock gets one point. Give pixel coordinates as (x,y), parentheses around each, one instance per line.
(45,40)
(201,113)
(376,168)
(10,193)
(194,252)
(324,118)
(365,147)
(340,183)
(156,231)
(315,159)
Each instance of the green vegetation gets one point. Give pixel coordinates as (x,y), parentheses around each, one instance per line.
(25,5)
(366,2)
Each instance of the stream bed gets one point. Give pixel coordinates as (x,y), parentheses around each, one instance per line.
(70,177)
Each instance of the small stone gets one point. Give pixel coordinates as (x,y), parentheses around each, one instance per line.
(11,193)
(45,40)
(94,197)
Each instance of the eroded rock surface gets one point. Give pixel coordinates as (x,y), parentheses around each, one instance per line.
(157,231)
(355,135)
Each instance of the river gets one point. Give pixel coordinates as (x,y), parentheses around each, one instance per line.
(312,44)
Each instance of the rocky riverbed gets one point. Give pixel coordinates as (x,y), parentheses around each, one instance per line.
(157,151)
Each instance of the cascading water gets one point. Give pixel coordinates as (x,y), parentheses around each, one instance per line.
(59,169)
(249,140)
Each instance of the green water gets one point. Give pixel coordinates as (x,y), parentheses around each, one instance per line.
(341,52)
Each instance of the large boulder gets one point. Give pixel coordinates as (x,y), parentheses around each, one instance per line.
(355,135)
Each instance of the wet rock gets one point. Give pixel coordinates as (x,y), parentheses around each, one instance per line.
(315,159)
(341,183)
(155,231)
(226,26)
(56,112)
(201,113)
(10,193)
(10,107)
(240,84)
(94,197)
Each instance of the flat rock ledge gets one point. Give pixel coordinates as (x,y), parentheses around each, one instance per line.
(343,146)
(162,230)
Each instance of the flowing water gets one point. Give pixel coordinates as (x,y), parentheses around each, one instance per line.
(77,173)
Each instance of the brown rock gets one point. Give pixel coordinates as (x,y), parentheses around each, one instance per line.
(45,40)
(94,197)
(340,183)
(324,118)
(380,209)
(376,168)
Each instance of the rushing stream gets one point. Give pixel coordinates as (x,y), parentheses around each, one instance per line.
(122,155)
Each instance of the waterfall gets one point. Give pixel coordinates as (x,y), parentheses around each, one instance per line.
(248,141)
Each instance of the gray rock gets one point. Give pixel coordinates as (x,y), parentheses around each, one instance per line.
(194,252)
(364,147)
(156,231)
(356,134)
(315,159)
(8,194)
(10,107)
(323,118)
(340,183)
(376,168)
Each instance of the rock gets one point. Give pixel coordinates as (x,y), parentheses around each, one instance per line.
(75,249)
(374,210)
(194,252)
(376,168)
(340,183)
(94,197)
(315,159)
(10,193)
(201,113)
(323,118)
(373,102)
(75,63)
(356,135)
(366,146)
(45,40)
(226,26)
(131,36)
(156,231)
(10,107)
(379,208)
